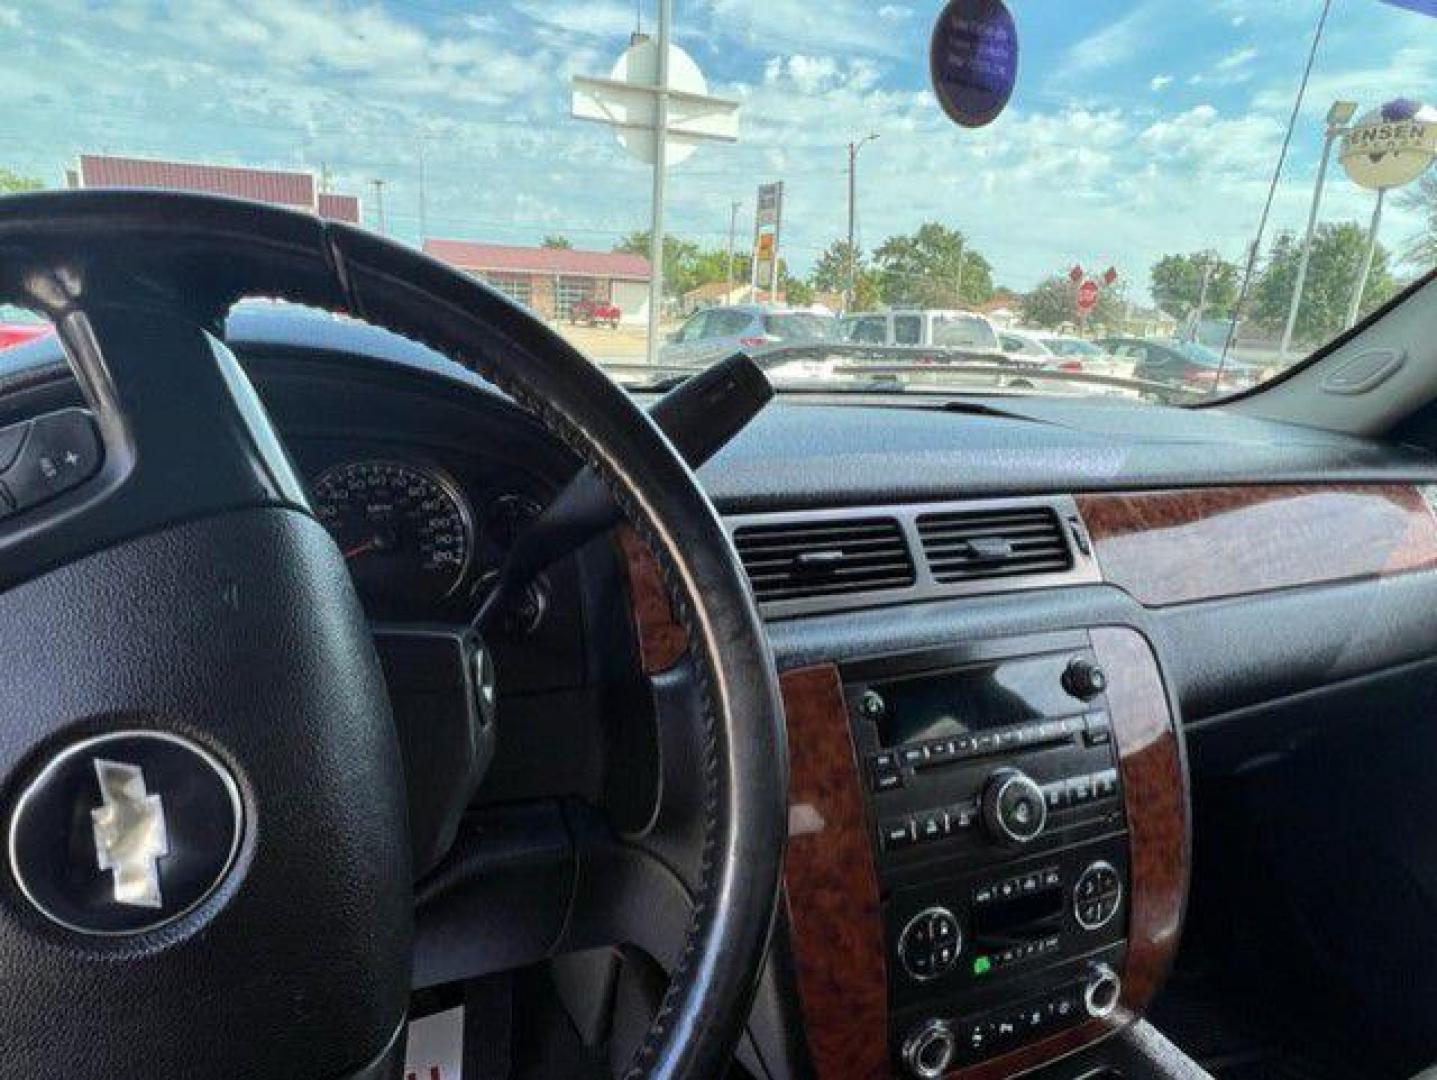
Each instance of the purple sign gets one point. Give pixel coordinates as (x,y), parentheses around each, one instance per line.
(974,60)
(1422,7)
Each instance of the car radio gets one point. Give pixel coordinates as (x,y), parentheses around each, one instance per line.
(999,836)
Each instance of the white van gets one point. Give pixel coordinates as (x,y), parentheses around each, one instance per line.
(932,326)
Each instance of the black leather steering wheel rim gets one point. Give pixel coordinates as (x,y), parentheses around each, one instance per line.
(190,258)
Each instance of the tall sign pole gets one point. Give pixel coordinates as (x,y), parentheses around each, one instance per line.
(1386,148)
(658,104)
(1354,307)
(661,171)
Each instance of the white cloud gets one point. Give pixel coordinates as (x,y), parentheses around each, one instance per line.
(1118,41)
(1160,82)
(844,26)
(894,12)
(1237,58)
(9,18)
(1239,21)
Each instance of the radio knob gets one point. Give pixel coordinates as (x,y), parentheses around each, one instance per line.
(1103,988)
(1084,679)
(929,1048)
(1013,808)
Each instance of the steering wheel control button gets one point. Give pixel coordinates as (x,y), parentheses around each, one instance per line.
(60,452)
(930,944)
(1014,807)
(1097,896)
(123,833)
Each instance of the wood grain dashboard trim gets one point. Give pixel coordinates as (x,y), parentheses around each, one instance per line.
(831,880)
(831,884)
(1171,547)
(662,641)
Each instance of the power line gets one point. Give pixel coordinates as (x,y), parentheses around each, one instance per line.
(1252,251)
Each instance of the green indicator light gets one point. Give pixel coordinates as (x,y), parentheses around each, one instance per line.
(981,965)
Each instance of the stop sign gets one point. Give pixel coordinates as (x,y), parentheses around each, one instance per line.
(1087,296)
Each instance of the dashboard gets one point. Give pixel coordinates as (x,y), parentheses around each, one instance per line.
(1035,624)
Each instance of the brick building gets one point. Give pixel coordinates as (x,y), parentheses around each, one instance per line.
(296,189)
(550,281)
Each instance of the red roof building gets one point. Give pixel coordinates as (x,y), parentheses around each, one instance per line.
(503,258)
(290,188)
(553,281)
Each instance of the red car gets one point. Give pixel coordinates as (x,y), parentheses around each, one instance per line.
(12,333)
(593,312)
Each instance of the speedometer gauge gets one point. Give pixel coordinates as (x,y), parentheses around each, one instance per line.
(406,531)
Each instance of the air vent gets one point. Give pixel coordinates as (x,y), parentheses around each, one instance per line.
(964,545)
(798,560)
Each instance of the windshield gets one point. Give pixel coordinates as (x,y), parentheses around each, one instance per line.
(1238,181)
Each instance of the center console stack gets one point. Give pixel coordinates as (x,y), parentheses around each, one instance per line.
(1000,837)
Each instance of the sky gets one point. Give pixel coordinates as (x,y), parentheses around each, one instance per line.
(1137,127)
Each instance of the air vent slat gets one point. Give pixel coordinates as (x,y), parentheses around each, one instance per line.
(962,546)
(807,559)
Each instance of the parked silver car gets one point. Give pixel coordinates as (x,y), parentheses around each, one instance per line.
(718,332)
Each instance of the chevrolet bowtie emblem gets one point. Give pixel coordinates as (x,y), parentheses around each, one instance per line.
(130,835)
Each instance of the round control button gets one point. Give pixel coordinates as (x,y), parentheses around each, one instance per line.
(1102,990)
(1084,679)
(930,944)
(1014,808)
(928,1049)
(1097,896)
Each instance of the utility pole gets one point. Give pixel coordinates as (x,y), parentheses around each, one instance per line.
(962,247)
(853,149)
(379,205)
(1209,261)
(1337,119)
(423,197)
(732,225)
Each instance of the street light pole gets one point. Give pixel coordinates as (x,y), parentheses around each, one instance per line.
(1355,307)
(853,149)
(1337,119)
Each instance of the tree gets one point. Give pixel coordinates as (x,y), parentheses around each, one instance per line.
(831,271)
(795,290)
(1177,285)
(557,242)
(12,182)
(922,269)
(1054,303)
(680,259)
(1422,245)
(830,275)
(1332,271)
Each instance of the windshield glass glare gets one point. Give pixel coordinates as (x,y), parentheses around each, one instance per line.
(1168,209)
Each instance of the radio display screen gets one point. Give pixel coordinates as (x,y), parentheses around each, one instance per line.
(937,706)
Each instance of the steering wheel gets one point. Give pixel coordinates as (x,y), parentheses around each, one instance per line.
(208,868)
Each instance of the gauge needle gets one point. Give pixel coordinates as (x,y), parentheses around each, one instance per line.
(360,549)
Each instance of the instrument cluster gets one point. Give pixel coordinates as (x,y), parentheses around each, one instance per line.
(422,541)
